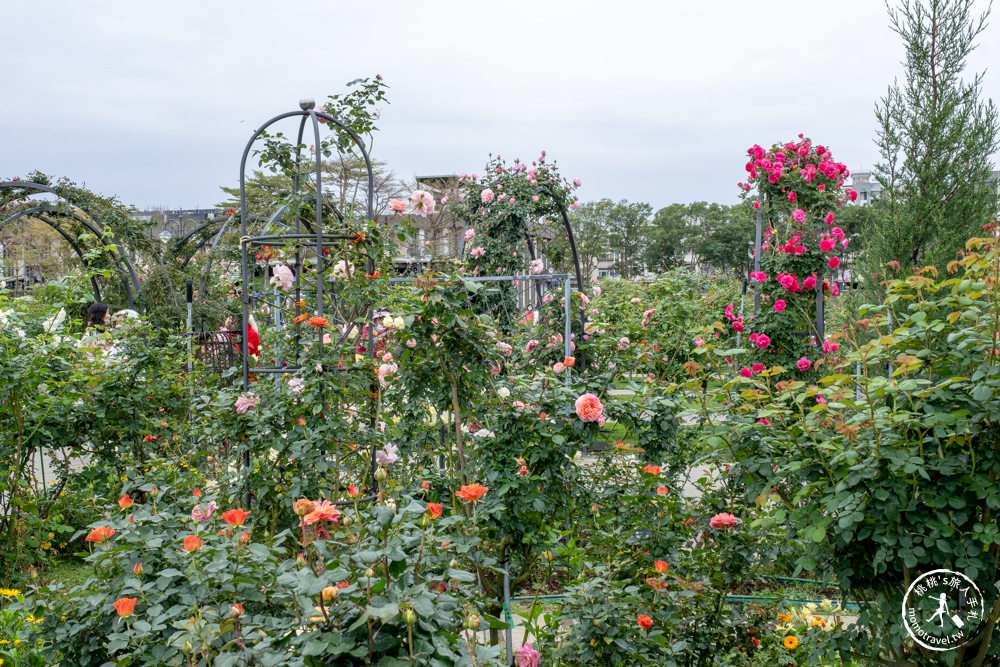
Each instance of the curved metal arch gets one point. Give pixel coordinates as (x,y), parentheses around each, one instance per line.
(100,230)
(115,256)
(72,243)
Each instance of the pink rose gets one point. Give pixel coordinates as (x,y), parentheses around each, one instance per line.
(738,325)
(757,368)
(397,205)
(764,422)
(558,367)
(803,364)
(837,233)
(834,262)
(745,372)
(246,402)
(809,283)
(469,233)
(779,305)
(826,245)
(477,252)
(527,656)
(829,218)
(536,266)
(699,342)
(422,203)
(589,408)
(762,341)
(283,277)
(799,215)
(723,521)
(200,514)
(791,197)
(487,196)
(576,182)
(412,343)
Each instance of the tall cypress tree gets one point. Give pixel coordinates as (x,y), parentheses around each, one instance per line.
(935,137)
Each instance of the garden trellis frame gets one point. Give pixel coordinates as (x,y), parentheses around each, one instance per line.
(307,114)
(54,214)
(820,321)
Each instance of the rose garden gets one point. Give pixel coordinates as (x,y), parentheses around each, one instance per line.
(490,458)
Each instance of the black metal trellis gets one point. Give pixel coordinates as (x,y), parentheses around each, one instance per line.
(46,212)
(529,241)
(322,240)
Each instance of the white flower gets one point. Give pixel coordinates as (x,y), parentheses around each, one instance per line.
(283,277)
(343,270)
(54,322)
(398,323)
(296,385)
(504,392)
(483,433)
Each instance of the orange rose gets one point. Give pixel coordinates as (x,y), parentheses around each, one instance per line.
(662,490)
(300,318)
(100,535)
(352,491)
(569,362)
(645,622)
(125,502)
(434,510)
(235,517)
(318,322)
(472,492)
(125,606)
(192,543)
(661,566)
(652,470)
(303,506)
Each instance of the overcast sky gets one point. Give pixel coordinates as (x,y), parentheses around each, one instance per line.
(650,101)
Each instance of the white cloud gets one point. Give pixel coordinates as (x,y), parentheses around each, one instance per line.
(650,101)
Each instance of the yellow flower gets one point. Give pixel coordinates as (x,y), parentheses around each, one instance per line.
(9,592)
(791,643)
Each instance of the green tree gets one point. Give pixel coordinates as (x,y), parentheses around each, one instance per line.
(668,239)
(590,232)
(935,138)
(726,239)
(627,227)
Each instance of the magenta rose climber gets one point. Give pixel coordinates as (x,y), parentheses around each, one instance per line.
(723,521)
(803,364)
(762,341)
(589,408)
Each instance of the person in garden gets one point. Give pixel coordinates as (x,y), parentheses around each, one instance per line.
(253,338)
(99,316)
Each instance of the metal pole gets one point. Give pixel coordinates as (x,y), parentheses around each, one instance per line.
(189,288)
(509,632)
(756,260)
(567,333)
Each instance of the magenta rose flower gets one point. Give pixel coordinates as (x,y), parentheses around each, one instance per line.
(803,364)
(762,341)
(779,305)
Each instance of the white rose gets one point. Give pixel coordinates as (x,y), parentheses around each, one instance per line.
(504,392)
